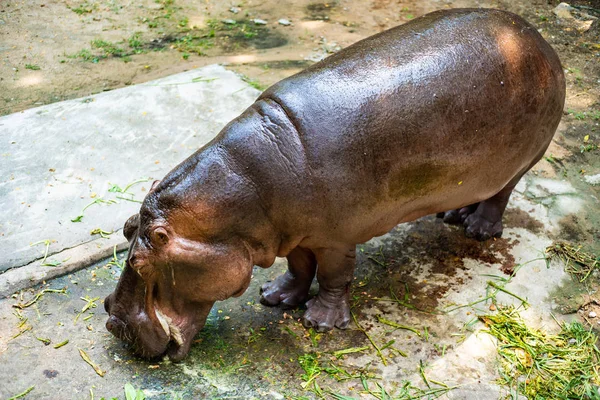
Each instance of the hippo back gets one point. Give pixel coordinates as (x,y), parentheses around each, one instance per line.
(434,114)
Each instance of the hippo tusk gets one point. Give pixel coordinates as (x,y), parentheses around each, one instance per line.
(169,327)
(176,334)
(163,319)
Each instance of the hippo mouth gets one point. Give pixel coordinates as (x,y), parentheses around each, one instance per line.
(148,338)
(149,330)
(151,318)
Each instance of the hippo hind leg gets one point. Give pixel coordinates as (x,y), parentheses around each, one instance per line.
(458,216)
(291,289)
(485,221)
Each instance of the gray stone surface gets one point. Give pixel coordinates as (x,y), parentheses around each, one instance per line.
(71,260)
(57,159)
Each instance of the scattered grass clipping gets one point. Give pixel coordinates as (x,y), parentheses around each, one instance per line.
(577,262)
(37,297)
(115,260)
(542,365)
(61,344)
(132,393)
(88,360)
(22,394)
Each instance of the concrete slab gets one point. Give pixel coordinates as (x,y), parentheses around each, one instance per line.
(58,159)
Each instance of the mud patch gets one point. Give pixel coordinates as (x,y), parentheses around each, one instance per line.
(422,262)
(283,64)
(229,37)
(320,11)
(517,218)
(50,373)
(571,228)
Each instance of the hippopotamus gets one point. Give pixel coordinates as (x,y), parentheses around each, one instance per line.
(442,115)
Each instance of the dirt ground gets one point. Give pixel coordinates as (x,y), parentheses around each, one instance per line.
(55,50)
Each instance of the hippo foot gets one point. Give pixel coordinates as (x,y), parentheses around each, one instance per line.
(479,228)
(458,216)
(285,291)
(325,312)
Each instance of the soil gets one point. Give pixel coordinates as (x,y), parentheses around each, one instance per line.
(54,50)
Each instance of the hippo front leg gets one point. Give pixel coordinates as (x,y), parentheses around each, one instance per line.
(291,289)
(331,305)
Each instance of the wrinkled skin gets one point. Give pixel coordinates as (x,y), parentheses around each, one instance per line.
(441,115)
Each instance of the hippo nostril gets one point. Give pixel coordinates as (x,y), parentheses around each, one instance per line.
(114,325)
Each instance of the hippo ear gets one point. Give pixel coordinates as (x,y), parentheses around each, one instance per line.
(159,236)
(154,185)
(131,225)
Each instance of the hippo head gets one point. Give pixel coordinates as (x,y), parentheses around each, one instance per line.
(176,269)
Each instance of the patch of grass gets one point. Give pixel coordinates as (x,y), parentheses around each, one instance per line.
(102,49)
(85,55)
(212,25)
(578,263)
(32,67)
(542,365)
(584,148)
(168,8)
(108,48)
(310,364)
(192,43)
(577,74)
(254,83)
(135,43)
(583,115)
(313,367)
(84,8)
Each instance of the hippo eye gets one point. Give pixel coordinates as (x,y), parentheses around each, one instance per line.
(141,268)
(159,236)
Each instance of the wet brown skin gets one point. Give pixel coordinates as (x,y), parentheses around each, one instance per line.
(446,112)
